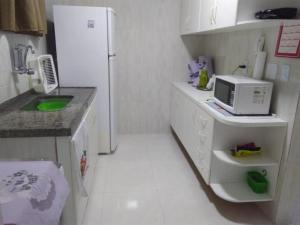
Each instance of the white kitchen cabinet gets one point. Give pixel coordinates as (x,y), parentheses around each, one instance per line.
(194,128)
(225,13)
(58,149)
(190,16)
(208,136)
(206,14)
(75,209)
(211,16)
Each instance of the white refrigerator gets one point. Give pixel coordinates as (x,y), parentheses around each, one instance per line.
(86,57)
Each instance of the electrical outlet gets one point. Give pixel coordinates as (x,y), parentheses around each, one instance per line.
(271,71)
(285,72)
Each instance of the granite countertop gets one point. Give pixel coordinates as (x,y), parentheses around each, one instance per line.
(15,122)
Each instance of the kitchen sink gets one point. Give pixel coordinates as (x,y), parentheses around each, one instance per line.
(48,103)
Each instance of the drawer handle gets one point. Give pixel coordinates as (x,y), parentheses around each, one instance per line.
(203,138)
(203,123)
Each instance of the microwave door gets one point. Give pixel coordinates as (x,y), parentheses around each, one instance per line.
(224,94)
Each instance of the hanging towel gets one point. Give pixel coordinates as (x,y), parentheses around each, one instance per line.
(23,16)
(80,145)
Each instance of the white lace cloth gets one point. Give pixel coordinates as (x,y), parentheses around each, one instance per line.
(32,193)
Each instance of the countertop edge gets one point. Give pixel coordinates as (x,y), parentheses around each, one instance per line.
(200,98)
(45,132)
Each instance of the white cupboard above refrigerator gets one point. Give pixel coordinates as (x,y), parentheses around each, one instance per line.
(211,16)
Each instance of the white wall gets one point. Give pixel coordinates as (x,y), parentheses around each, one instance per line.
(11,85)
(234,48)
(289,209)
(151,54)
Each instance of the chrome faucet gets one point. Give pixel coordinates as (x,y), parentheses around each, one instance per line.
(20,54)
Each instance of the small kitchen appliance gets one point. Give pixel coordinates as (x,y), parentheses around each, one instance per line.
(241,95)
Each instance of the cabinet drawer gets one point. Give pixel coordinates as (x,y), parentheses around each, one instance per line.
(194,128)
(203,122)
(204,147)
(203,165)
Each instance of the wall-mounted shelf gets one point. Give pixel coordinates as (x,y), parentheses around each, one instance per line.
(244,121)
(228,176)
(238,192)
(201,97)
(209,17)
(246,25)
(257,160)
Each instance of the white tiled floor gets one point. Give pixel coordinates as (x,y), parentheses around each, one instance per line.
(148,181)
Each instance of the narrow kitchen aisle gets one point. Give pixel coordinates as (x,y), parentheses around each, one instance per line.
(148,181)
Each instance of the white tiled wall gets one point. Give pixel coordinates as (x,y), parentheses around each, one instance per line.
(151,54)
(234,48)
(12,85)
(290,198)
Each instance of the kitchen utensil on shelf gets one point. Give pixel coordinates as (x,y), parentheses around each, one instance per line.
(246,150)
(257,181)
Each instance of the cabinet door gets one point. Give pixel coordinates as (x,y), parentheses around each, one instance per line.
(190,16)
(203,142)
(177,113)
(173,111)
(92,151)
(207,13)
(180,117)
(218,14)
(194,128)
(92,138)
(189,127)
(225,13)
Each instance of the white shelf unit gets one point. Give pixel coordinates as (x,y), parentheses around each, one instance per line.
(215,16)
(244,121)
(238,192)
(228,174)
(255,160)
(248,25)
(208,136)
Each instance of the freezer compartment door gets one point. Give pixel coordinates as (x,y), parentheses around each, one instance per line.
(114,139)
(111,27)
(82,46)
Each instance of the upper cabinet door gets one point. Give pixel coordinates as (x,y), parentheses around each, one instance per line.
(190,16)
(207,15)
(225,13)
(218,14)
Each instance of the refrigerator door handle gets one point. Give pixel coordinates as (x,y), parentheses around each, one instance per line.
(111,18)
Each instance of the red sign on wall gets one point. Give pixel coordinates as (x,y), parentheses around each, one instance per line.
(288,43)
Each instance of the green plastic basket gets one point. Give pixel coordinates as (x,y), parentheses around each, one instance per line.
(257,182)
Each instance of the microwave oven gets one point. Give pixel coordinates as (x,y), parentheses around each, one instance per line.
(241,95)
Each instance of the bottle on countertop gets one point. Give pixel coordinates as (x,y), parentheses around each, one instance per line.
(203,78)
(83,163)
